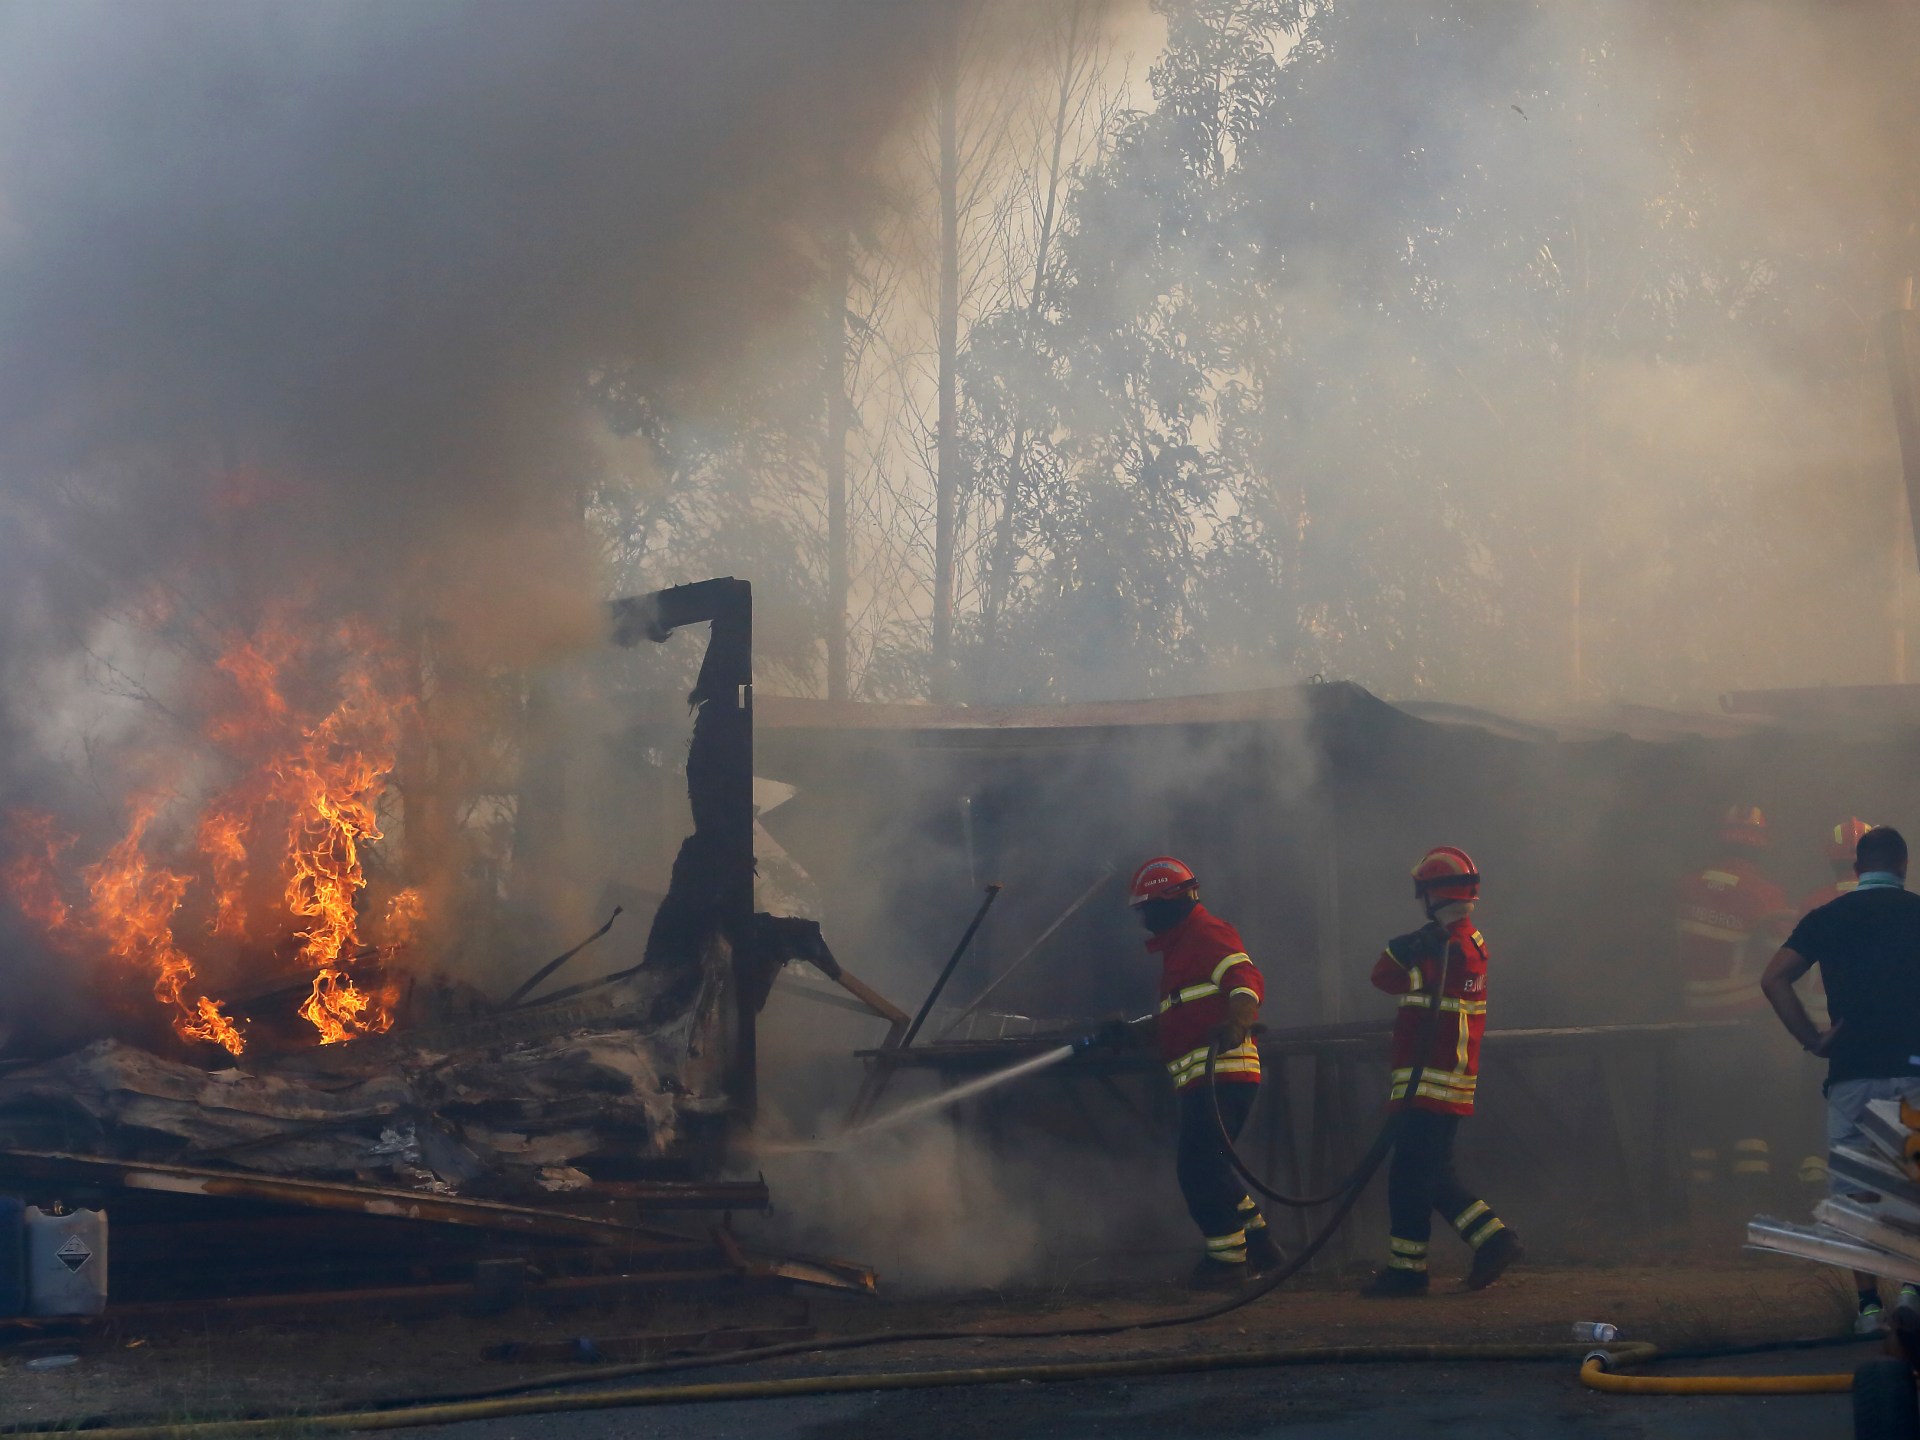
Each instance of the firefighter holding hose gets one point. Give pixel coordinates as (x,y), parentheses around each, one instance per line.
(1439,973)
(1210,995)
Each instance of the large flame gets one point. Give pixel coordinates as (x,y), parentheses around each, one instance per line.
(307,728)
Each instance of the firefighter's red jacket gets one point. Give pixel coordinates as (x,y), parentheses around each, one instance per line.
(1202,964)
(1728,920)
(1448,963)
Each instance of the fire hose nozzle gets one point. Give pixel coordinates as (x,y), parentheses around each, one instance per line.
(1108,1035)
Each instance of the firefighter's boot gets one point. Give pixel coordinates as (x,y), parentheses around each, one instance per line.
(1262,1254)
(1493,1257)
(1393,1283)
(1211,1274)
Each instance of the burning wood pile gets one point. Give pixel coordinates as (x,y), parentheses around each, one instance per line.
(513,1112)
(249,944)
(253,874)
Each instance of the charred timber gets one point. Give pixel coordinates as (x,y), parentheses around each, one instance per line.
(706,934)
(701,934)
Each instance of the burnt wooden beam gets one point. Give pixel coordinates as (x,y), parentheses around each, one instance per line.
(495,1215)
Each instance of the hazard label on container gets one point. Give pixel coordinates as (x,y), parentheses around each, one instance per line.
(74,1253)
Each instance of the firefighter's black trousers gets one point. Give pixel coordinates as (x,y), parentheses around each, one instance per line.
(1421,1183)
(1216,1198)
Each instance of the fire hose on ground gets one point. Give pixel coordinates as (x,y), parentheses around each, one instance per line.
(1599,1371)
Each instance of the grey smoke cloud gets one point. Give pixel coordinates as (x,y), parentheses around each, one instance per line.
(346,263)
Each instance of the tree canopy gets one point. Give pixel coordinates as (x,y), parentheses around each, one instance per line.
(1471,347)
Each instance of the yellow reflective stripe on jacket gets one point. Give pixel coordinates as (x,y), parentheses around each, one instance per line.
(1243,1059)
(1450,1086)
(1434,1092)
(1192,992)
(1239,957)
(1452,1079)
(1415,978)
(1448,1004)
(1207,987)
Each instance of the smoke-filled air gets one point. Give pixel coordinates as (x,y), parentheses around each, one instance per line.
(1522,355)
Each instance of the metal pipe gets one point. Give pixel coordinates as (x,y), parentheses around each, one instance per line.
(946,971)
(532,982)
(1032,950)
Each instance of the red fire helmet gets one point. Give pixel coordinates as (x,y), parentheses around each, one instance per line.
(1161,878)
(1846,836)
(1446,872)
(1744,825)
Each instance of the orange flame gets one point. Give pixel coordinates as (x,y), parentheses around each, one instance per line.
(131,910)
(33,873)
(309,779)
(406,912)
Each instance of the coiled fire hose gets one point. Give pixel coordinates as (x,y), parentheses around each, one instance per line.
(1383,1141)
(1354,1180)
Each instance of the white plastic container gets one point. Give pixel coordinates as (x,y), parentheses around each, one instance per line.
(66,1262)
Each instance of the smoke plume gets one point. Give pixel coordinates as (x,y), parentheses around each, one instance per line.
(346,265)
(298,307)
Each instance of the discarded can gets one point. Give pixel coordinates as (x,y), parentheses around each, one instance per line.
(1596,1332)
(66,1261)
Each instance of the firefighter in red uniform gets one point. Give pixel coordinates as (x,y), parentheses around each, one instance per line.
(1443,964)
(1210,996)
(1729,919)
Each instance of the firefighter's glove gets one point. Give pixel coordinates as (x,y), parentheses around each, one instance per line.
(1115,1034)
(1227,1035)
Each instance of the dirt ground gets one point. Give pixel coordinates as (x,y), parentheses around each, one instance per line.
(205,1370)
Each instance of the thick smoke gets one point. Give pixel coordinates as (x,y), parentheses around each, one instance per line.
(345,267)
(299,304)
(1533,354)
(1567,291)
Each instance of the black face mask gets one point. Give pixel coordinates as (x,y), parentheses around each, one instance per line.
(1160,916)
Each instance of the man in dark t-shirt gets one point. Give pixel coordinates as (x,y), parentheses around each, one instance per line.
(1867,945)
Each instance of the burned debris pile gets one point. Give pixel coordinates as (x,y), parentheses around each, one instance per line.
(516,1117)
(540,1135)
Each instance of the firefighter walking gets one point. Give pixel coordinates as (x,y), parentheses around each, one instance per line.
(1439,973)
(1210,995)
